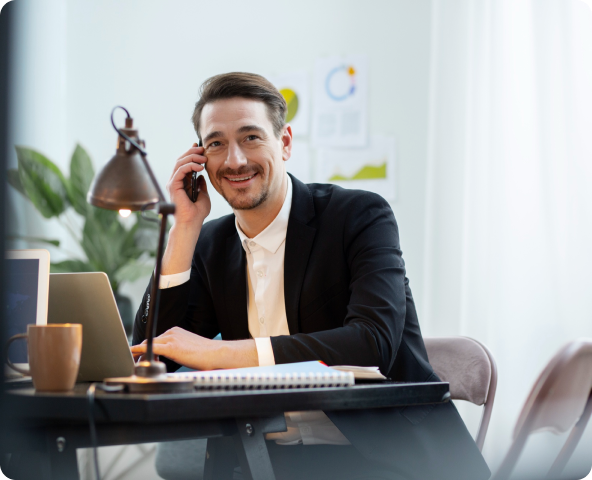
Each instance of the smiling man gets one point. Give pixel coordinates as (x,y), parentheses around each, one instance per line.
(298,272)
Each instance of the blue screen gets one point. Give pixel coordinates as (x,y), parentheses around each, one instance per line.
(22,284)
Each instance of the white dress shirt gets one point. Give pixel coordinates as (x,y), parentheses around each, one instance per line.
(267,318)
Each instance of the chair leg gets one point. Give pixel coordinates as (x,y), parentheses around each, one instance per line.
(571,443)
(505,469)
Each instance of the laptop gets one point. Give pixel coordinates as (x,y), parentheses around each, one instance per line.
(25,301)
(87,298)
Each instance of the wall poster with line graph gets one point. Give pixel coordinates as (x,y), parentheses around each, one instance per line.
(370,168)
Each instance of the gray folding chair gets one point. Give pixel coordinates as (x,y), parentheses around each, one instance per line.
(470,369)
(560,399)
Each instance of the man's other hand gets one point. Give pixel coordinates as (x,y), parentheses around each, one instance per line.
(199,353)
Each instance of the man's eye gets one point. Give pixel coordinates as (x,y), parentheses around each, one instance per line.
(252,137)
(214,144)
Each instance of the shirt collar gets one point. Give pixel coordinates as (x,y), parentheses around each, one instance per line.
(275,234)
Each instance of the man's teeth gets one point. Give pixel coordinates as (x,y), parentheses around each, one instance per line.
(241,179)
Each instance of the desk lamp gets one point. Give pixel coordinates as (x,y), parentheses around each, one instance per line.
(127,183)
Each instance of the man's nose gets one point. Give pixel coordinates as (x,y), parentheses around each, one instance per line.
(236,157)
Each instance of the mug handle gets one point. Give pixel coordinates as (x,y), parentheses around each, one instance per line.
(10,364)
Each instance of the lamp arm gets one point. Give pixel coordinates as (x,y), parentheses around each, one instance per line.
(153,178)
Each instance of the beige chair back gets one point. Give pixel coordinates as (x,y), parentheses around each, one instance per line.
(559,394)
(470,369)
(560,399)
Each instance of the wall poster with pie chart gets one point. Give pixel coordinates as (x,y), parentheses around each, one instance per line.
(370,168)
(340,87)
(294,89)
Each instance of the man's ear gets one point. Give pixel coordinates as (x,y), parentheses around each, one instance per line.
(287,142)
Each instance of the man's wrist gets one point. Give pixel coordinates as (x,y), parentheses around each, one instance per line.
(236,354)
(186,232)
(180,248)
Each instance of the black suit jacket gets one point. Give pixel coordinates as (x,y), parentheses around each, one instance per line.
(348,302)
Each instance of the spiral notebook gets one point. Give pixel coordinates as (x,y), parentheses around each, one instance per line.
(284,376)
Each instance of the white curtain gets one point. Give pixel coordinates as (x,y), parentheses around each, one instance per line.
(508,256)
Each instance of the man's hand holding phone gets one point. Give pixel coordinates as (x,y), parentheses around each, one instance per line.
(188,212)
(189,216)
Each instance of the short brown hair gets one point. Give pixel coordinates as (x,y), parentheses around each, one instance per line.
(245,85)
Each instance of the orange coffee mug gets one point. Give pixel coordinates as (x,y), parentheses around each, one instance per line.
(54,355)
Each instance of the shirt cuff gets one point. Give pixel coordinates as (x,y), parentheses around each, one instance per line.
(176,279)
(264,351)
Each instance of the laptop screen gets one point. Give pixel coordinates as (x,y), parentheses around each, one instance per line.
(22,284)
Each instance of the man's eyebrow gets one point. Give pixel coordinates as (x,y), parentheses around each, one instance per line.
(211,135)
(251,128)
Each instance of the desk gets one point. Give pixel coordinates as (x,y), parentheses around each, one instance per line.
(56,424)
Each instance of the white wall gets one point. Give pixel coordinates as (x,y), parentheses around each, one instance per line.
(152,56)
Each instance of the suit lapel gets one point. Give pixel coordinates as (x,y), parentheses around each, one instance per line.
(299,241)
(235,291)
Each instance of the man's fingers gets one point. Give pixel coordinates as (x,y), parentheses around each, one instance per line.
(183,170)
(177,180)
(195,150)
(190,160)
(159,347)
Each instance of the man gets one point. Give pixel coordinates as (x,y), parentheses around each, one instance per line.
(298,272)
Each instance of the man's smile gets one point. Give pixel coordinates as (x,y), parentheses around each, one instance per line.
(242,180)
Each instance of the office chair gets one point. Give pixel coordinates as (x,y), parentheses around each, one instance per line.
(470,369)
(560,398)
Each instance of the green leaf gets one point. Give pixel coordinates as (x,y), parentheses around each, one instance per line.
(55,243)
(146,236)
(15,181)
(105,218)
(134,270)
(103,241)
(68,266)
(129,247)
(81,175)
(43,182)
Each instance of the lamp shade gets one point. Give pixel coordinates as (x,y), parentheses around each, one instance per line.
(124,182)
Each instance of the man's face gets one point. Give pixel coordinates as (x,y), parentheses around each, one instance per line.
(245,158)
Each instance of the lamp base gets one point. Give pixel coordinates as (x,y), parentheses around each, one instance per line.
(159,384)
(150,377)
(149,369)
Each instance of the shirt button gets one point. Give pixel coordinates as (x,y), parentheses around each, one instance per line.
(252,244)
(259,273)
(262,320)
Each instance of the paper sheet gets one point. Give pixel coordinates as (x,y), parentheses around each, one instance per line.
(340,102)
(371,168)
(294,89)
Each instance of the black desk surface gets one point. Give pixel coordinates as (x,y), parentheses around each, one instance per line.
(46,422)
(26,404)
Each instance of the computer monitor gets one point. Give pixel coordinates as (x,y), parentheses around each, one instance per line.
(26,296)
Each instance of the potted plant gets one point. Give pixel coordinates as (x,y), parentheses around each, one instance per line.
(107,245)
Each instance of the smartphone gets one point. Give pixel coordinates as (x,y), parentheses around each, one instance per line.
(190,183)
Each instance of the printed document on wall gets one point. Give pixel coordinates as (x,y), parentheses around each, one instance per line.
(340,102)
(294,89)
(371,168)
